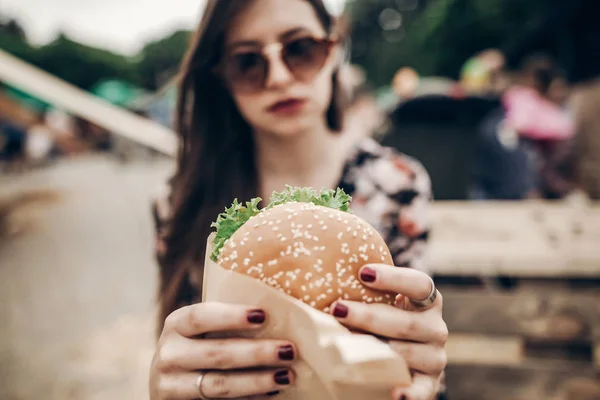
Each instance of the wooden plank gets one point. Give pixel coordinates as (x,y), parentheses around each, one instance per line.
(532,381)
(524,239)
(471,349)
(533,313)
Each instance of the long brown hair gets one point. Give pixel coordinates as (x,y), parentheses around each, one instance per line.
(216,160)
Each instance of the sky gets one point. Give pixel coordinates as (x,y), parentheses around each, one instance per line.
(122,26)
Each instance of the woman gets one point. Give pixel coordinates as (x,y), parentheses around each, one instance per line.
(259,108)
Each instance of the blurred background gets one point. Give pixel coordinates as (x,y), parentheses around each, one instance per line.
(87,90)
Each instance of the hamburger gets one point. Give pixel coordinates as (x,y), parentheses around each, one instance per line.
(305,243)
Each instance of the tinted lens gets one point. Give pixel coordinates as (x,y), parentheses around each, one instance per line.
(246,71)
(305,57)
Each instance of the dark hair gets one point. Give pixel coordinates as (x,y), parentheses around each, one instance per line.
(216,161)
(543,70)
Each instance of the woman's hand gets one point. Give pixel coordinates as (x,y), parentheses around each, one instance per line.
(182,355)
(418,335)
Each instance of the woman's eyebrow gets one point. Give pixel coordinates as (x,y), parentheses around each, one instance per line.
(256,43)
(292,32)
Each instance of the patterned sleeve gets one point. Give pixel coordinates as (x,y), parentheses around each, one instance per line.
(410,224)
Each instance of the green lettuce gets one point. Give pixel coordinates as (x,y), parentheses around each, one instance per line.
(229,221)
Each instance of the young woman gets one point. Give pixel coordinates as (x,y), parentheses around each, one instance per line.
(260,106)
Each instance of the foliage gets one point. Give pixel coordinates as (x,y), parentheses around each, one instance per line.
(159,60)
(85,66)
(440,35)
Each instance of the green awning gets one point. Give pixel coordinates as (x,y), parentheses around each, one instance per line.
(120,93)
(25,99)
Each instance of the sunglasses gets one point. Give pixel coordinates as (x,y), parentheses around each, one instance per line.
(247,71)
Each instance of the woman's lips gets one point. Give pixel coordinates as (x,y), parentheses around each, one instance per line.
(288,106)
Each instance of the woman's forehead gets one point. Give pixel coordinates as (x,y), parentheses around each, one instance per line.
(265,21)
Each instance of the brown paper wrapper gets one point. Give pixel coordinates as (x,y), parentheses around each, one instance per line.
(333,363)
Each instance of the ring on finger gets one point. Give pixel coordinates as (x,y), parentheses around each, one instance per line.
(428,301)
(199,385)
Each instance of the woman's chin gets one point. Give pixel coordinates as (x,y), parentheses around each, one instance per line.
(291,128)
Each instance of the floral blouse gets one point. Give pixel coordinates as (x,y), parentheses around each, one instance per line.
(389,190)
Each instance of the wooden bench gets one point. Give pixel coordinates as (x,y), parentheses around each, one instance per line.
(521,287)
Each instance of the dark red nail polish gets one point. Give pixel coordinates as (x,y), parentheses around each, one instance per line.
(403,397)
(368,275)
(286,353)
(340,311)
(282,377)
(274,393)
(256,316)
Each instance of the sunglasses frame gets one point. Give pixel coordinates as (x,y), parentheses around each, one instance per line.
(274,47)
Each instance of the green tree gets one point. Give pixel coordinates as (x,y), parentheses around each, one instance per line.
(159,60)
(439,35)
(82,65)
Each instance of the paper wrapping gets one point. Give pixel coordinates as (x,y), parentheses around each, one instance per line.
(333,363)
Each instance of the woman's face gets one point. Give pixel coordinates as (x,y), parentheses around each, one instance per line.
(286,104)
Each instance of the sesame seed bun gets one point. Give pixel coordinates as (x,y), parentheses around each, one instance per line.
(310,252)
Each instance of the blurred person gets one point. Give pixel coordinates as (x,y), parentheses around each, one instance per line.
(12,141)
(483,74)
(261,106)
(406,83)
(526,148)
(65,132)
(586,105)
(40,143)
(536,109)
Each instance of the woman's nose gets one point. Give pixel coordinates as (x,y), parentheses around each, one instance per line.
(279,74)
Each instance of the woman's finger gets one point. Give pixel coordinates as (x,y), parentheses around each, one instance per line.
(409,282)
(224,385)
(423,387)
(184,354)
(425,358)
(201,318)
(391,322)
(228,385)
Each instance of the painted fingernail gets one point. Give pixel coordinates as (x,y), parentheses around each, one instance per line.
(286,353)
(368,275)
(340,311)
(274,393)
(256,316)
(282,377)
(403,397)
